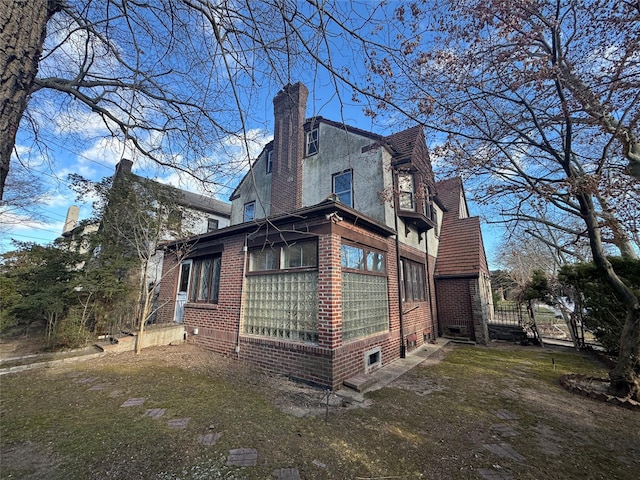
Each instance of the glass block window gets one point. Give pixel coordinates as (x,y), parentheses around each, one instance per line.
(362,258)
(365,305)
(205,281)
(282,306)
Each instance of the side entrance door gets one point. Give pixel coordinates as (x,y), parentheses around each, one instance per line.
(183,290)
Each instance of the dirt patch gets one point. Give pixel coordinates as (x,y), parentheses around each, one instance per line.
(31,461)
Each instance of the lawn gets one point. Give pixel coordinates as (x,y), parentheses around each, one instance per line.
(451,419)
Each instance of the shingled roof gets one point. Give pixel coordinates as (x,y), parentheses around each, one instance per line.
(461,251)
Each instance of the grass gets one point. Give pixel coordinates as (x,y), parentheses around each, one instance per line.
(433,423)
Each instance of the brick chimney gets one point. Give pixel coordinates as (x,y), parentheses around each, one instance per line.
(124,166)
(289,107)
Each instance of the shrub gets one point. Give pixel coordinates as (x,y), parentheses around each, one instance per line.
(601,311)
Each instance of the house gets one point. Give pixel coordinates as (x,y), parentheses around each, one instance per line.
(327,269)
(186,214)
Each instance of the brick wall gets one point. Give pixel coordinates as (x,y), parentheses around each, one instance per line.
(455,306)
(331,361)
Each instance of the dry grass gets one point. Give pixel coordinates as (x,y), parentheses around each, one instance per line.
(435,422)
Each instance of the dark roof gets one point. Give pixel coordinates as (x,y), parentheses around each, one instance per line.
(405,142)
(461,251)
(204,203)
(313,121)
(327,206)
(449,192)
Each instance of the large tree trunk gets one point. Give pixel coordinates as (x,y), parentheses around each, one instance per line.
(23,25)
(625,380)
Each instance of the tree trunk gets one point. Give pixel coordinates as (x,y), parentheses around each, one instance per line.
(23,25)
(625,380)
(625,377)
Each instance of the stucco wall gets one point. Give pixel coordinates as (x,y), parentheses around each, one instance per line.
(340,150)
(255,187)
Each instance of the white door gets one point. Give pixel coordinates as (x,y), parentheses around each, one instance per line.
(183,290)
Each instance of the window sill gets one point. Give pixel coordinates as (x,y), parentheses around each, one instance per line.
(201,306)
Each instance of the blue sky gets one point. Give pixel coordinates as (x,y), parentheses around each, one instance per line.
(82,147)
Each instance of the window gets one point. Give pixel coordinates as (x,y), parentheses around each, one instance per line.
(249,211)
(361,258)
(312,142)
(405,191)
(269,161)
(212,224)
(185,270)
(206,280)
(412,281)
(429,208)
(342,187)
(300,255)
(284,257)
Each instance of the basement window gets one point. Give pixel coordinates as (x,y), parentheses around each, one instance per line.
(372,359)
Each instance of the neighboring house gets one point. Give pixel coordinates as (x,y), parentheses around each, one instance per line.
(191,214)
(327,269)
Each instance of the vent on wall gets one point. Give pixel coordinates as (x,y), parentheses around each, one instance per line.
(372,359)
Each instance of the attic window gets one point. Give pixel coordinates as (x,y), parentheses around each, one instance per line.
(212,224)
(249,211)
(269,161)
(312,142)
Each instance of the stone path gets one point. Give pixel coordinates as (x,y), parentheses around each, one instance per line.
(248,457)
(502,449)
(238,457)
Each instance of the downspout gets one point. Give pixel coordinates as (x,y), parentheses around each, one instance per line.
(242,293)
(403,347)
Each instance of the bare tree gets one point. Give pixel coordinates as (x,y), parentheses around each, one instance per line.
(539,102)
(168,79)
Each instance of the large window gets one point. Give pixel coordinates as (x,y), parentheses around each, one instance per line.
(249,211)
(343,187)
(406,191)
(365,303)
(205,282)
(412,281)
(302,254)
(312,142)
(282,292)
(362,258)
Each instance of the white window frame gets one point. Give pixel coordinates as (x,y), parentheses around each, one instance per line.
(343,192)
(406,190)
(247,206)
(313,142)
(269,161)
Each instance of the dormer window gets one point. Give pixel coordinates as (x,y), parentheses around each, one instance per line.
(312,142)
(269,161)
(406,191)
